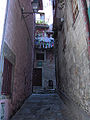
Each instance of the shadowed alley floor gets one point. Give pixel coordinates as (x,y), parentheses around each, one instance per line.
(42,107)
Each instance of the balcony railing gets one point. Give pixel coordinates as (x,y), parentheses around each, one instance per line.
(43,44)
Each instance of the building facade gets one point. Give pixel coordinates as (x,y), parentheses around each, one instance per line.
(48,13)
(72,41)
(44,61)
(16,55)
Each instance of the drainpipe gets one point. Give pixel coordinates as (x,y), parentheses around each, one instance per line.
(86,20)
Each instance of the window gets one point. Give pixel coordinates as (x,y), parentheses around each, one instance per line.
(40,56)
(50,84)
(75,9)
(7,77)
(39,64)
(42,17)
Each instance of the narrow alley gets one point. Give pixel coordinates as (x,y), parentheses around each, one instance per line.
(45,60)
(48,105)
(43,107)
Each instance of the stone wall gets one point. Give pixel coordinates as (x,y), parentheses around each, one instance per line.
(19,34)
(48,70)
(73,58)
(47,65)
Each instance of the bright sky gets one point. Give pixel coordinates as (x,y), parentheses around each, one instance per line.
(2,17)
(47,6)
(48,10)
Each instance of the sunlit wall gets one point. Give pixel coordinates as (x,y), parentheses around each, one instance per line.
(3,4)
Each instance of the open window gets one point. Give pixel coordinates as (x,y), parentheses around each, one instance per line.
(40,56)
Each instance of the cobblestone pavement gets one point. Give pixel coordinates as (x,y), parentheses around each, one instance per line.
(43,107)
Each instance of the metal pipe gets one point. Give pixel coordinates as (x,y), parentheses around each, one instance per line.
(32,13)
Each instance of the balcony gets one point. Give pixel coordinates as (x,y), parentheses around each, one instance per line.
(44,43)
(41,25)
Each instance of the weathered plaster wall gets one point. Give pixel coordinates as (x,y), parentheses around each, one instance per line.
(48,67)
(3,7)
(48,70)
(2,16)
(74,65)
(19,38)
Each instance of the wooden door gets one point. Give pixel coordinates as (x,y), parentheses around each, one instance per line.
(37,77)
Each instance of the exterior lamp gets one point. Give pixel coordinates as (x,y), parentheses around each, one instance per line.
(35,6)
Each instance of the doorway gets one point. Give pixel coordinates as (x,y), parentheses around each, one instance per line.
(50,84)
(37,77)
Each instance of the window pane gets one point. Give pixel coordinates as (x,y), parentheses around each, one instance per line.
(40,56)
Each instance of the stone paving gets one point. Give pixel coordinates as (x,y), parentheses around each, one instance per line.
(43,107)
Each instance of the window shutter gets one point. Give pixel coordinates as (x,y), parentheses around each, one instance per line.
(7,76)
